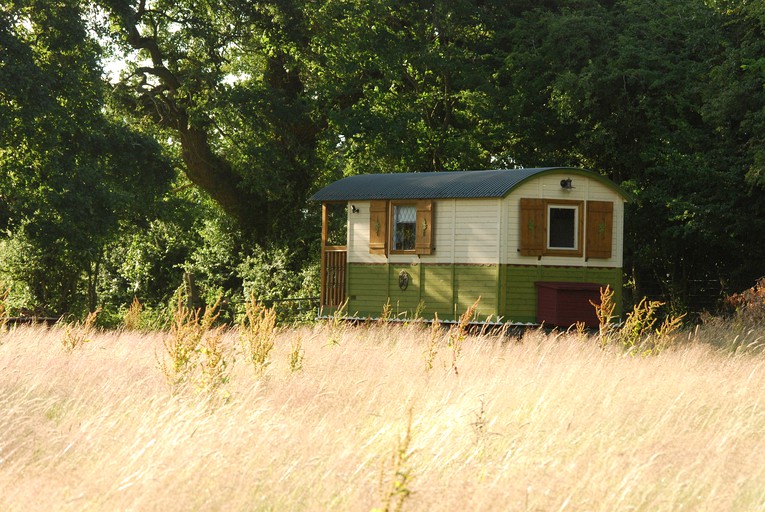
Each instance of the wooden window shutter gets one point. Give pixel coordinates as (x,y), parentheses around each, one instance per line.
(600,221)
(533,227)
(424,228)
(378,227)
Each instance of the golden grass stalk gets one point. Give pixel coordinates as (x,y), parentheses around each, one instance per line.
(396,473)
(565,426)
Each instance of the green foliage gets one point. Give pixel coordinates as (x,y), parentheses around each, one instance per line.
(417,83)
(272,273)
(254,105)
(4,291)
(70,172)
(41,279)
(650,107)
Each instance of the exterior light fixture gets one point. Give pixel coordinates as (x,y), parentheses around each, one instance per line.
(566,184)
(354,209)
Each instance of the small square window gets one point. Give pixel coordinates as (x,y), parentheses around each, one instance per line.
(562,225)
(404,222)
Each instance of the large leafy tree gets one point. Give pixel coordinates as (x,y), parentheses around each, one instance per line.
(226,81)
(624,88)
(265,101)
(411,84)
(70,173)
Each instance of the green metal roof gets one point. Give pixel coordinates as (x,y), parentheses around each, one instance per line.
(442,185)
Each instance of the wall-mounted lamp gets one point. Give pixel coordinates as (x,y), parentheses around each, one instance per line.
(354,209)
(566,184)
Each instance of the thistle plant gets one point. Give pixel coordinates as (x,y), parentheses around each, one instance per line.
(386,313)
(257,333)
(336,324)
(4,291)
(637,334)
(131,320)
(604,311)
(76,333)
(480,424)
(213,363)
(458,334)
(434,342)
(664,336)
(193,343)
(417,313)
(296,354)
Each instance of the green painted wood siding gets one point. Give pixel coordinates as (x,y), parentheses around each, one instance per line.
(507,291)
(439,287)
(437,291)
(472,282)
(367,289)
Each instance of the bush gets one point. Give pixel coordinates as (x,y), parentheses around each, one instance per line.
(749,305)
(273,273)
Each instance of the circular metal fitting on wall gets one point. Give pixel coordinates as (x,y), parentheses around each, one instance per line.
(403,280)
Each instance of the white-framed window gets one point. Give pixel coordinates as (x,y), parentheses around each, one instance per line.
(562,227)
(404,227)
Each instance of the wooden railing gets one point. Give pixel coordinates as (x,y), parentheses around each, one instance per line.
(333,264)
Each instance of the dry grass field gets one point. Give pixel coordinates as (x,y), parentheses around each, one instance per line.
(353,418)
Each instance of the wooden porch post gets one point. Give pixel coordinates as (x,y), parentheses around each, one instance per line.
(324,234)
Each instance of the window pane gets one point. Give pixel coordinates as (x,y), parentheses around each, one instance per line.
(562,228)
(404,219)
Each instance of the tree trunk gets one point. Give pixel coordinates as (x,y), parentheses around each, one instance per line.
(215,176)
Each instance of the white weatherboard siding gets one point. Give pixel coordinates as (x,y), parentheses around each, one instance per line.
(486,231)
(444,211)
(476,231)
(358,235)
(548,187)
(465,231)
